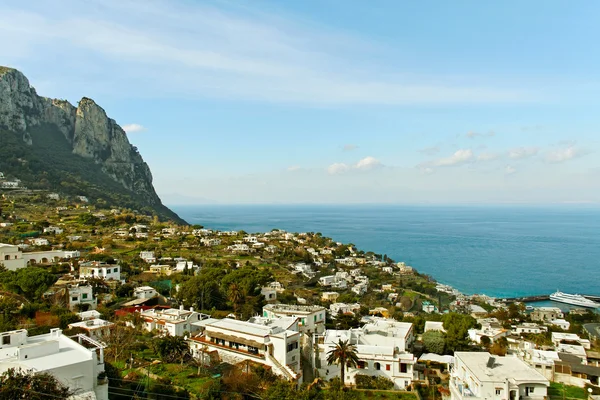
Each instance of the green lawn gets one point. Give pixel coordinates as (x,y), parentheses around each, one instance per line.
(364,394)
(558,391)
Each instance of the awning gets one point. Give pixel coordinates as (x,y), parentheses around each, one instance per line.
(236,339)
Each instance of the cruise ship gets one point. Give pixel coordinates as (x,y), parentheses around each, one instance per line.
(574,299)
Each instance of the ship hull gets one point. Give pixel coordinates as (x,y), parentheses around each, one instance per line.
(574,302)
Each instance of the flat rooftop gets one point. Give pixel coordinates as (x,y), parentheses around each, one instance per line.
(504,368)
(293,308)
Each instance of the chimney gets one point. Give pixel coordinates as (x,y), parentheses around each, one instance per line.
(181,307)
(191,309)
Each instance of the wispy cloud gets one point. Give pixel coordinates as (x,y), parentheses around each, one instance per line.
(294,168)
(487,157)
(224,53)
(509,170)
(349,147)
(459,157)
(365,164)
(473,135)
(133,128)
(519,153)
(565,154)
(430,150)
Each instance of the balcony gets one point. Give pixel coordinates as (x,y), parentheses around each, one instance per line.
(461,388)
(231,349)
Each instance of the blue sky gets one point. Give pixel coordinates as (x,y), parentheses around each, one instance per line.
(333,101)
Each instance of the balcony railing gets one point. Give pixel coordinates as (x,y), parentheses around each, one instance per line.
(232,349)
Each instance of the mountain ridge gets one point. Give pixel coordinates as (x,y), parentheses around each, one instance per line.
(90,144)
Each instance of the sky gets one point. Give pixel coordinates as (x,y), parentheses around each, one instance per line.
(332,101)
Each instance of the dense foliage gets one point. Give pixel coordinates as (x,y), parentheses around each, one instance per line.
(16,385)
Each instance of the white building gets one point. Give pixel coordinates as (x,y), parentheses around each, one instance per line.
(148,256)
(483,376)
(329,296)
(95,328)
(54,230)
(82,295)
(40,242)
(145,292)
(491,328)
(53,196)
(11,257)
(382,346)
(210,241)
(269,293)
(312,318)
(97,269)
(546,314)
(529,327)
(74,364)
(173,321)
(434,326)
(561,323)
(268,342)
(336,308)
(542,361)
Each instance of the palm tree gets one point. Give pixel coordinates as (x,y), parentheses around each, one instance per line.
(235,295)
(343,354)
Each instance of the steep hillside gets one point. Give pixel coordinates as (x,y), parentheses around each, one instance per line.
(51,144)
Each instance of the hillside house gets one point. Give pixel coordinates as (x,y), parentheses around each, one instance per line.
(383,349)
(311,318)
(267,342)
(76,362)
(481,375)
(11,257)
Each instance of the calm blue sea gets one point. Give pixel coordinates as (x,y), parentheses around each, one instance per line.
(497,250)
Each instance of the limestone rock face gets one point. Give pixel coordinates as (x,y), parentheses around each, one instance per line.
(86,127)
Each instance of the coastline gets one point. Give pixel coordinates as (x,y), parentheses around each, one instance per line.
(449,246)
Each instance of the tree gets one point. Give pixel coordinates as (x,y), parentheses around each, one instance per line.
(343,354)
(434,342)
(16,385)
(120,340)
(170,348)
(486,341)
(499,347)
(235,295)
(457,331)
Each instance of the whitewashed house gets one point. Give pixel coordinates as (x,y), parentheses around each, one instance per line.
(311,318)
(270,342)
(95,328)
(97,269)
(75,363)
(148,256)
(11,257)
(483,376)
(54,230)
(336,308)
(82,296)
(173,321)
(144,292)
(383,349)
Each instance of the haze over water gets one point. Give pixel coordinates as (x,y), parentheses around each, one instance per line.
(500,251)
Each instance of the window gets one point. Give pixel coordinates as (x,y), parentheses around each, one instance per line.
(388,367)
(498,391)
(74,298)
(377,366)
(116,270)
(84,296)
(6,258)
(6,339)
(292,346)
(361,365)
(403,368)
(531,389)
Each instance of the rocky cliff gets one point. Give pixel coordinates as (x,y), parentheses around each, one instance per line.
(87,132)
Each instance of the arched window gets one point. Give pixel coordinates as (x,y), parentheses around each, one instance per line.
(6,258)
(377,366)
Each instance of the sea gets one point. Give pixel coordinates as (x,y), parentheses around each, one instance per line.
(500,251)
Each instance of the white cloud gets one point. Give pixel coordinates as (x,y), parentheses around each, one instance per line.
(294,168)
(518,153)
(338,168)
(133,128)
(509,170)
(365,164)
(368,163)
(349,147)
(487,157)
(564,154)
(459,157)
(231,52)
